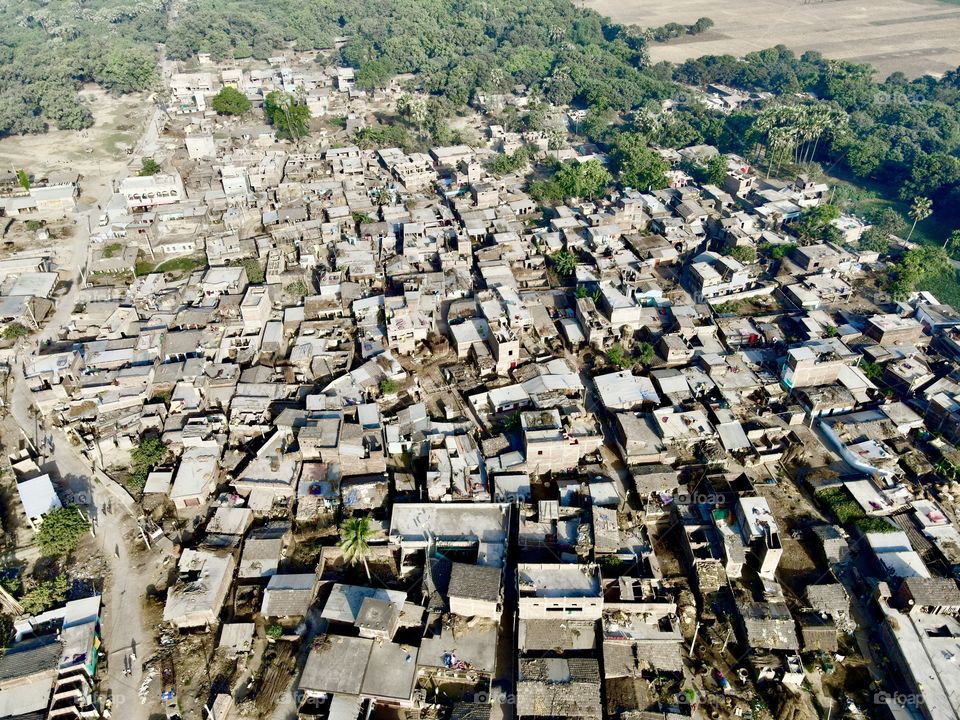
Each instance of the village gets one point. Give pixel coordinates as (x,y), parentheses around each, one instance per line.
(362,432)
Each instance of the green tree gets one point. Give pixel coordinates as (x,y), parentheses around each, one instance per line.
(254,270)
(717,170)
(872,370)
(877,236)
(374,74)
(128,69)
(915,266)
(564,263)
(275,632)
(289,117)
(298,288)
(636,165)
(952,243)
(230,101)
(149,166)
(616,355)
(504,164)
(45,595)
(920,209)
(701,25)
(145,457)
(355,534)
(412,109)
(644,353)
(573,179)
(61,531)
(23,179)
(813,222)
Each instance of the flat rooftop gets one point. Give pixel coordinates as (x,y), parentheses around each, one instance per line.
(449,522)
(557,580)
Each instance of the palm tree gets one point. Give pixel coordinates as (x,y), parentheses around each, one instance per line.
(952,243)
(564,262)
(355,536)
(921,209)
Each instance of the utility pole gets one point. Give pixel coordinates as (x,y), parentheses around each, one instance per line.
(694,641)
(726,640)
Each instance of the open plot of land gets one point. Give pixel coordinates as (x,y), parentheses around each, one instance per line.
(915,37)
(98,153)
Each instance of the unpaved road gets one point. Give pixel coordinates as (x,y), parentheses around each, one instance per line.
(128,636)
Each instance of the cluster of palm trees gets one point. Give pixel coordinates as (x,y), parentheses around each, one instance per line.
(796,130)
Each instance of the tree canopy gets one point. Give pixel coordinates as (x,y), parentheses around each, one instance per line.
(574,179)
(289,117)
(61,531)
(144,458)
(230,101)
(637,165)
(49,49)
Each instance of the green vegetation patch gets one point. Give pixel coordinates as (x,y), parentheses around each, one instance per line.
(848,511)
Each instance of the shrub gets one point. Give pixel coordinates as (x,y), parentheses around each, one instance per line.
(149,166)
(15,331)
(388,386)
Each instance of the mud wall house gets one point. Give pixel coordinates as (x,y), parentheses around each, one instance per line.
(638,441)
(817,632)
(554,445)
(144,193)
(760,532)
(766,626)
(289,596)
(196,477)
(415,527)
(892,329)
(224,280)
(922,648)
(263,550)
(929,595)
(75,629)
(197,596)
(28,673)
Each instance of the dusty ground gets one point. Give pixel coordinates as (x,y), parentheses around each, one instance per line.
(98,153)
(913,36)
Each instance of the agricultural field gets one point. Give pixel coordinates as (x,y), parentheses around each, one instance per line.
(913,36)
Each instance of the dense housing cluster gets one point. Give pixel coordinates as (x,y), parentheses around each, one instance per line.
(393,437)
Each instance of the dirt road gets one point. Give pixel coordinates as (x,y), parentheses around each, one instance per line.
(124,626)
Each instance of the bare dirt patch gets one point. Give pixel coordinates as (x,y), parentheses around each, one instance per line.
(98,153)
(914,36)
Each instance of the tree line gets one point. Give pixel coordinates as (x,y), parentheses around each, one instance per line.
(48,50)
(902,134)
